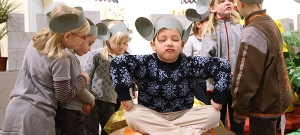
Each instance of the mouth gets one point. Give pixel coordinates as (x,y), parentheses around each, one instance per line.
(228,8)
(170,50)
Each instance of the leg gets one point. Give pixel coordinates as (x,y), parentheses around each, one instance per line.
(209,97)
(69,122)
(107,110)
(202,117)
(237,128)
(92,120)
(260,126)
(145,120)
(117,106)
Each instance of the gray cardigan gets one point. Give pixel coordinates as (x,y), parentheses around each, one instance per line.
(83,96)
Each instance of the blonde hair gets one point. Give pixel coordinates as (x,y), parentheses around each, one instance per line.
(48,42)
(213,21)
(119,37)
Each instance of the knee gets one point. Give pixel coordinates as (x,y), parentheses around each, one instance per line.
(214,115)
(132,115)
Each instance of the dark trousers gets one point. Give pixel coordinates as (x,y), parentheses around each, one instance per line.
(117,106)
(200,92)
(260,126)
(100,114)
(69,122)
(237,128)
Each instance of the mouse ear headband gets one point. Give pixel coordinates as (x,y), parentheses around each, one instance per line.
(202,11)
(66,22)
(148,31)
(252,1)
(297,1)
(104,33)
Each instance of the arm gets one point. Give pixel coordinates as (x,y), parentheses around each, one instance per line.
(209,46)
(90,66)
(122,71)
(219,70)
(64,90)
(85,96)
(188,48)
(247,78)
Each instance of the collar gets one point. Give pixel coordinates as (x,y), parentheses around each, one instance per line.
(253,15)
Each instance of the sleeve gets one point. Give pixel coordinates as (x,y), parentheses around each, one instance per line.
(209,46)
(85,96)
(60,69)
(188,48)
(123,70)
(65,91)
(247,77)
(91,65)
(219,70)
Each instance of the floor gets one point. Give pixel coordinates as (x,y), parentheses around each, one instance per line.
(292,122)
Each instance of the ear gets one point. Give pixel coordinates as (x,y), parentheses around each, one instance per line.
(182,44)
(212,10)
(152,44)
(198,24)
(67,36)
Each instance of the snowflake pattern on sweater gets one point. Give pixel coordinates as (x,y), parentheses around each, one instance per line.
(168,87)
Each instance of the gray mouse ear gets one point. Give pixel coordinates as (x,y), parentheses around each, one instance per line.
(63,23)
(297,1)
(145,28)
(202,11)
(252,1)
(103,32)
(186,33)
(202,6)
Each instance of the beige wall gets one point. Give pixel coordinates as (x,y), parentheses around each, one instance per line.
(22,9)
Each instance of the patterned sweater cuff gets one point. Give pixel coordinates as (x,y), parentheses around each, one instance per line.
(220,98)
(123,92)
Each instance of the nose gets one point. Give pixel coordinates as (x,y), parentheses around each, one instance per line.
(169,43)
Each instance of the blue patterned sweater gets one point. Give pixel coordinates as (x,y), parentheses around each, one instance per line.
(168,87)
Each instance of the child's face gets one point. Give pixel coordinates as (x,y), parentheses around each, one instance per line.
(223,8)
(73,40)
(118,48)
(167,44)
(85,46)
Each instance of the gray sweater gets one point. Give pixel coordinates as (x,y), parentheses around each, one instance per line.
(83,96)
(227,37)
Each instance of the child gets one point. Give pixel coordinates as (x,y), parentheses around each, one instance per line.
(193,46)
(44,77)
(69,119)
(165,80)
(261,92)
(97,67)
(221,39)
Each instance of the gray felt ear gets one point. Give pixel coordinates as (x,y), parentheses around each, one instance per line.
(202,6)
(200,13)
(192,15)
(93,30)
(252,1)
(297,1)
(186,33)
(145,28)
(66,22)
(103,32)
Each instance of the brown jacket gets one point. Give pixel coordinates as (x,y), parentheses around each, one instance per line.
(260,85)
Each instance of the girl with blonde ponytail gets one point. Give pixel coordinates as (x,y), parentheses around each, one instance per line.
(44,78)
(97,67)
(221,39)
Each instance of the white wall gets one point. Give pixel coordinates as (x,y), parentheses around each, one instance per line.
(34,7)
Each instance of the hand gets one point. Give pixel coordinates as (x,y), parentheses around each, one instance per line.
(127,105)
(216,105)
(134,93)
(86,108)
(238,120)
(86,76)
